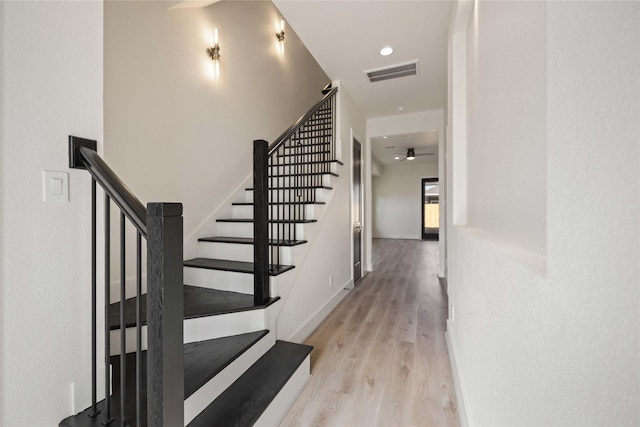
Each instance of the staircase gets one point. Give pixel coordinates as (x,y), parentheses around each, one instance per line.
(235,371)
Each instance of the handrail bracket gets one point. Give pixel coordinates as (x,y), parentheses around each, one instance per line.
(75,143)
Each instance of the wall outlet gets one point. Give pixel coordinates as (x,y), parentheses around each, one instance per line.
(331,280)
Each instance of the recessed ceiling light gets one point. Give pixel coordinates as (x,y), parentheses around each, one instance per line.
(401,109)
(386,51)
(397,158)
(384,137)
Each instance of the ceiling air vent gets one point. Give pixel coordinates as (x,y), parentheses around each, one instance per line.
(393,72)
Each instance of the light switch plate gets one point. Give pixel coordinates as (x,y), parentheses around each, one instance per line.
(55,186)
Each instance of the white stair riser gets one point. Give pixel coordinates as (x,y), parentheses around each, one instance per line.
(199,329)
(234,229)
(245,229)
(225,280)
(236,252)
(308,180)
(218,279)
(285,195)
(282,211)
(286,158)
(287,169)
(206,394)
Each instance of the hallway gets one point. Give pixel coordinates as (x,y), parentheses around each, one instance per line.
(380,359)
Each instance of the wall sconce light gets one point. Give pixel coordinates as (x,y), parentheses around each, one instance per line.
(280,37)
(214,53)
(411,154)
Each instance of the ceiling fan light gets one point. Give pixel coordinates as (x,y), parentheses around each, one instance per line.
(411,154)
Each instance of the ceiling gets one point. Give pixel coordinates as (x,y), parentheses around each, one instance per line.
(345,37)
(425,145)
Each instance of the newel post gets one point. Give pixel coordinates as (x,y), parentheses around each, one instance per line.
(165,355)
(260,221)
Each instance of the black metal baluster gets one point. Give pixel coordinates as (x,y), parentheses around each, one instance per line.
(275,234)
(139,410)
(314,171)
(308,179)
(107,321)
(297,159)
(333,126)
(123,331)
(94,344)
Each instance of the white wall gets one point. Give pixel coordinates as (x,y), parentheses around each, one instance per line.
(376,167)
(199,132)
(561,349)
(513,130)
(175,134)
(397,200)
(330,252)
(51,88)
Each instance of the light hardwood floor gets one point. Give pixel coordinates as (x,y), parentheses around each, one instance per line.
(380,358)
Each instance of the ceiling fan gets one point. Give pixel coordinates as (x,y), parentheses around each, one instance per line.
(409,155)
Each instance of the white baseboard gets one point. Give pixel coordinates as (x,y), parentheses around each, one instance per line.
(462,410)
(307,328)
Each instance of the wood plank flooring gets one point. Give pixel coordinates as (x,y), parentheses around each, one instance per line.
(380,358)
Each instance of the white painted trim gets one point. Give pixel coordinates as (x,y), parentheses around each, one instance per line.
(206,394)
(279,407)
(208,226)
(2,334)
(462,410)
(353,136)
(307,328)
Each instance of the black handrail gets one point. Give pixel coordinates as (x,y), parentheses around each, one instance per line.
(287,176)
(299,123)
(161,225)
(121,195)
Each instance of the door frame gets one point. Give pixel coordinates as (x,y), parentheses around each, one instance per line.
(353,136)
(424,180)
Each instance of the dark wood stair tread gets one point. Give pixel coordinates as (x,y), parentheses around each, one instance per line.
(280,203)
(273,165)
(236,266)
(324,187)
(277,221)
(303,174)
(247,398)
(314,153)
(203,360)
(249,241)
(198,302)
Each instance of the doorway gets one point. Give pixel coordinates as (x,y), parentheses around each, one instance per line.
(430,222)
(357,211)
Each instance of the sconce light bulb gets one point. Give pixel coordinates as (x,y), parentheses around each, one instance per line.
(280,37)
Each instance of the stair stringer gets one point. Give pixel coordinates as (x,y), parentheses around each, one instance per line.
(206,394)
(208,226)
(287,281)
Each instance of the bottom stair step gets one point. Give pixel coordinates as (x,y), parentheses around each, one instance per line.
(202,361)
(245,400)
